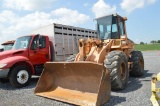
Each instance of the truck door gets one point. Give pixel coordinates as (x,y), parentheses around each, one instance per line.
(39,50)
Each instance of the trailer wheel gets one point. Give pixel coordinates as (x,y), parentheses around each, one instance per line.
(71,58)
(138,64)
(116,62)
(20,76)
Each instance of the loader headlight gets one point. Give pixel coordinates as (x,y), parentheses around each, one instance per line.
(2,65)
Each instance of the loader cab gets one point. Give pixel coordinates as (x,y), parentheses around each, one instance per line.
(111,27)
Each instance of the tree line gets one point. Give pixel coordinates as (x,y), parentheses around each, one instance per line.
(152,42)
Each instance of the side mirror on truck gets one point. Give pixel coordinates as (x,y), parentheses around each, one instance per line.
(42,42)
(40,46)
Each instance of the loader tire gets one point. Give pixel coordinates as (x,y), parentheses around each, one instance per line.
(20,76)
(71,58)
(138,64)
(116,62)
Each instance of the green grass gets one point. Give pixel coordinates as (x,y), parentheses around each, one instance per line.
(147,47)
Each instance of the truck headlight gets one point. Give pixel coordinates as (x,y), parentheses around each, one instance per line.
(2,65)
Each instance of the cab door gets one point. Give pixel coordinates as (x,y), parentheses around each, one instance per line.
(39,50)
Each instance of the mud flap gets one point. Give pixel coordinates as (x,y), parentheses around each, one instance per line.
(80,83)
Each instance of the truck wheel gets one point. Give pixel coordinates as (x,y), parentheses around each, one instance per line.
(71,58)
(20,76)
(138,64)
(116,62)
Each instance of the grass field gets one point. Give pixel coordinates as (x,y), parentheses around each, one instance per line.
(147,47)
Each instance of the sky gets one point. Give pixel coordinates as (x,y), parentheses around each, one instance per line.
(20,17)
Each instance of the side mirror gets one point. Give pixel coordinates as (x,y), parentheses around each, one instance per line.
(40,46)
(41,42)
(34,45)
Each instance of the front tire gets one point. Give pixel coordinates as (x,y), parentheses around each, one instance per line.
(20,76)
(116,62)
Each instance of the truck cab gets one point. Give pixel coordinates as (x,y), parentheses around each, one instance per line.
(26,58)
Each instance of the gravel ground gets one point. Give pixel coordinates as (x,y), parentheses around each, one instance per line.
(137,92)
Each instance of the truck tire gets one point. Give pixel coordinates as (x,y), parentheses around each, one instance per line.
(138,64)
(20,76)
(116,62)
(71,58)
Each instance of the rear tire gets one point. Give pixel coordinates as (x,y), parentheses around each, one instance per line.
(138,64)
(20,76)
(71,58)
(116,62)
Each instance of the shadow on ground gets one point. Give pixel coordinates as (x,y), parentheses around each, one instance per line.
(7,86)
(147,74)
(132,85)
(135,83)
(115,100)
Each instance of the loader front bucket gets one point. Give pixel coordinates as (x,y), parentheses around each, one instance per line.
(80,83)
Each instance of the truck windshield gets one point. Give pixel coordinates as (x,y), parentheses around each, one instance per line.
(22,43)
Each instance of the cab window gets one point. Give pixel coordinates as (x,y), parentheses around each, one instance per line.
(121,28)
(42,42)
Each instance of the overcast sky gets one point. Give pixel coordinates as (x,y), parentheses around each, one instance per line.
(19,17)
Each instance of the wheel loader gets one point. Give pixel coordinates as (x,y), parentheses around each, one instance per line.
(102,64)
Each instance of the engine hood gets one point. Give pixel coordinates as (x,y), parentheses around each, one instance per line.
(10,53)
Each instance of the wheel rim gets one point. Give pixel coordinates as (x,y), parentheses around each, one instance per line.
(123,71)
(22,76)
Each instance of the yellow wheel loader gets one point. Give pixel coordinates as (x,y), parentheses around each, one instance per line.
(102,64)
